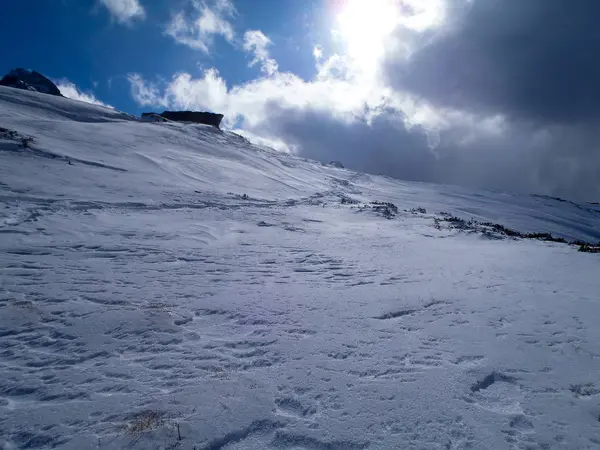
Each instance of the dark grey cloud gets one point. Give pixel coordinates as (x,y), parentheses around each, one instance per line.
(533,62)
(383,146)
(531,59)
(557,160)
(525,158)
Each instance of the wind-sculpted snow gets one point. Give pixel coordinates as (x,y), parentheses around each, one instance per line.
(174,287)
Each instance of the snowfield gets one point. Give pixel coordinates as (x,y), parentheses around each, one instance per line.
(169,286)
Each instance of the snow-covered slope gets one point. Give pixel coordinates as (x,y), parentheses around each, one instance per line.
(169,286)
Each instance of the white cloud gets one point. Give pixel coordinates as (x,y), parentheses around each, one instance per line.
(124,11)
(70,90)
(274,143)
(208,92)
(198,30)
(345,95)
(257,43)
(145,93)
(318,52)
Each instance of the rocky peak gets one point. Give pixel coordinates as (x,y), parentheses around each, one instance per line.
(29,80)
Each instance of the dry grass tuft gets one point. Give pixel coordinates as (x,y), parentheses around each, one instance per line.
(144,421)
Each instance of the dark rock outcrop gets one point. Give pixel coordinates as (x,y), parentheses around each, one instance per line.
(30,80)
(206,118)
(337,164)
(195,117)
(153,117)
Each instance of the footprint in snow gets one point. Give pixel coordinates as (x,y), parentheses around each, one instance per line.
(288,406)
(498,393)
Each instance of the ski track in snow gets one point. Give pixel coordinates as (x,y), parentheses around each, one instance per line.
(281,319)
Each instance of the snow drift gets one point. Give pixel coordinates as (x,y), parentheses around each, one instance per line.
(173,286)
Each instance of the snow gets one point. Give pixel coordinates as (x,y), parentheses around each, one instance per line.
(162,280)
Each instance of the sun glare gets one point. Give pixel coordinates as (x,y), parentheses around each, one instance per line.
(367,25)
(364,26)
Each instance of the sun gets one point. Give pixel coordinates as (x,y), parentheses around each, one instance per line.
(364,26)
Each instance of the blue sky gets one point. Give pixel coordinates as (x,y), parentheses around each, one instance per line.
(495,94)
(96,48)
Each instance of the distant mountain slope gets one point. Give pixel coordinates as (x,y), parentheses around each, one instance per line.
(158,161)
